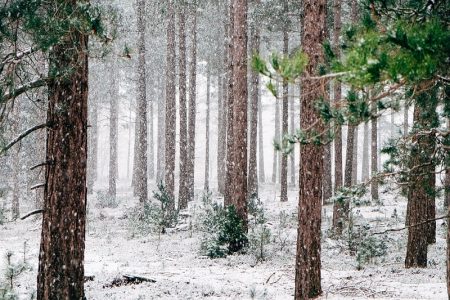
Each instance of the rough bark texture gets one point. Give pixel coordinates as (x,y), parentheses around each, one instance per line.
(192,103)
(374,155)
(170,120)
(208,101)
(349,156)
(113,133)
(183,191)
(229,105)
(285,120)
(141,111)
(61,257)
(254,97)
(240,105)
(308,262)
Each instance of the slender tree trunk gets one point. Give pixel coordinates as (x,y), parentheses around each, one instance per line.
(308,261)
(292,131)
(285,118)
(93,137)
(130,125)
(447,175)
(192,103)
(365,158)
(113,132)
(406,120)
(253,142)
(276,153)
(349,156)
(15,158)
(355,157)
(160,164)
(183,192)
(170,120)
(262,173)
(374,154)
(61,257)
(240,105)
(230,107)
(141,112)
(208,101)
(151,146)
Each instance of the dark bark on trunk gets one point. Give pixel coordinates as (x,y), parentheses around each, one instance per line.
(183,192)
(308,261)
(192,103)
(254,97)
(348,178)
(285,119)
(170,120)
(61,257)
(113,132)
(240,105)
(141,112)
(208,101)
(365,158)
(355,157)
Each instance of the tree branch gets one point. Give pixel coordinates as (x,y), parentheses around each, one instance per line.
(34,212)
(410,226)
(24,88)
(23,135)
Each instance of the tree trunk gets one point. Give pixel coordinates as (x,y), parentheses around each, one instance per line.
(254,97)
(276,153)
(141,112)
(292,132)
(151,147)
(374,154)
(170,120)
(285,117)
(406,120)
(192,103)
(365,158)
(93,138)
(208,101)
(262,173)
(349,156)
(308,261)
(229,105)
(355,157)
(113,131)
(160,164)
(15,159)
(61,258)
(240,105)
(183,192)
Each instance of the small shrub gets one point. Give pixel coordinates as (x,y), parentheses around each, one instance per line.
(369,248)
(223,231)
(105,200)
(168,214)
(13,270)
(259,238)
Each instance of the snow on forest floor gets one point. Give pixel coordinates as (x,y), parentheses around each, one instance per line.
(181,272)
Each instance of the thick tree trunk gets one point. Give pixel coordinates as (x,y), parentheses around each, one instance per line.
(308,261)
(113,132)
(141,112)
(254,97)
(374,155)
(61,258)
(285,119)
(240,105)
(208,101)
(365,157)
(192,103)
(183,191)
(170,120)
(230,107)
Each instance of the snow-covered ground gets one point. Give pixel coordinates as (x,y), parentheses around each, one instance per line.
(181,272)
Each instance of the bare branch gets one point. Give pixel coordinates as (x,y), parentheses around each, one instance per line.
(23,135)
(24,88)
(410,226)
(34,212)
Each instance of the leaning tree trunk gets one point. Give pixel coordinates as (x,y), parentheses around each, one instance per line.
(253,142)
(192,103)
(61,257)
(308,261)
(113,132)
(170,120)
(141,112)
(183,191)
(285,119)
(240,105)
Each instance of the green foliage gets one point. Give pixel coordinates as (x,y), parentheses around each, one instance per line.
(223,231)
(368,249)
(13,270)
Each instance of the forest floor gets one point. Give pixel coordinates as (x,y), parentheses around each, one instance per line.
(174,261)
